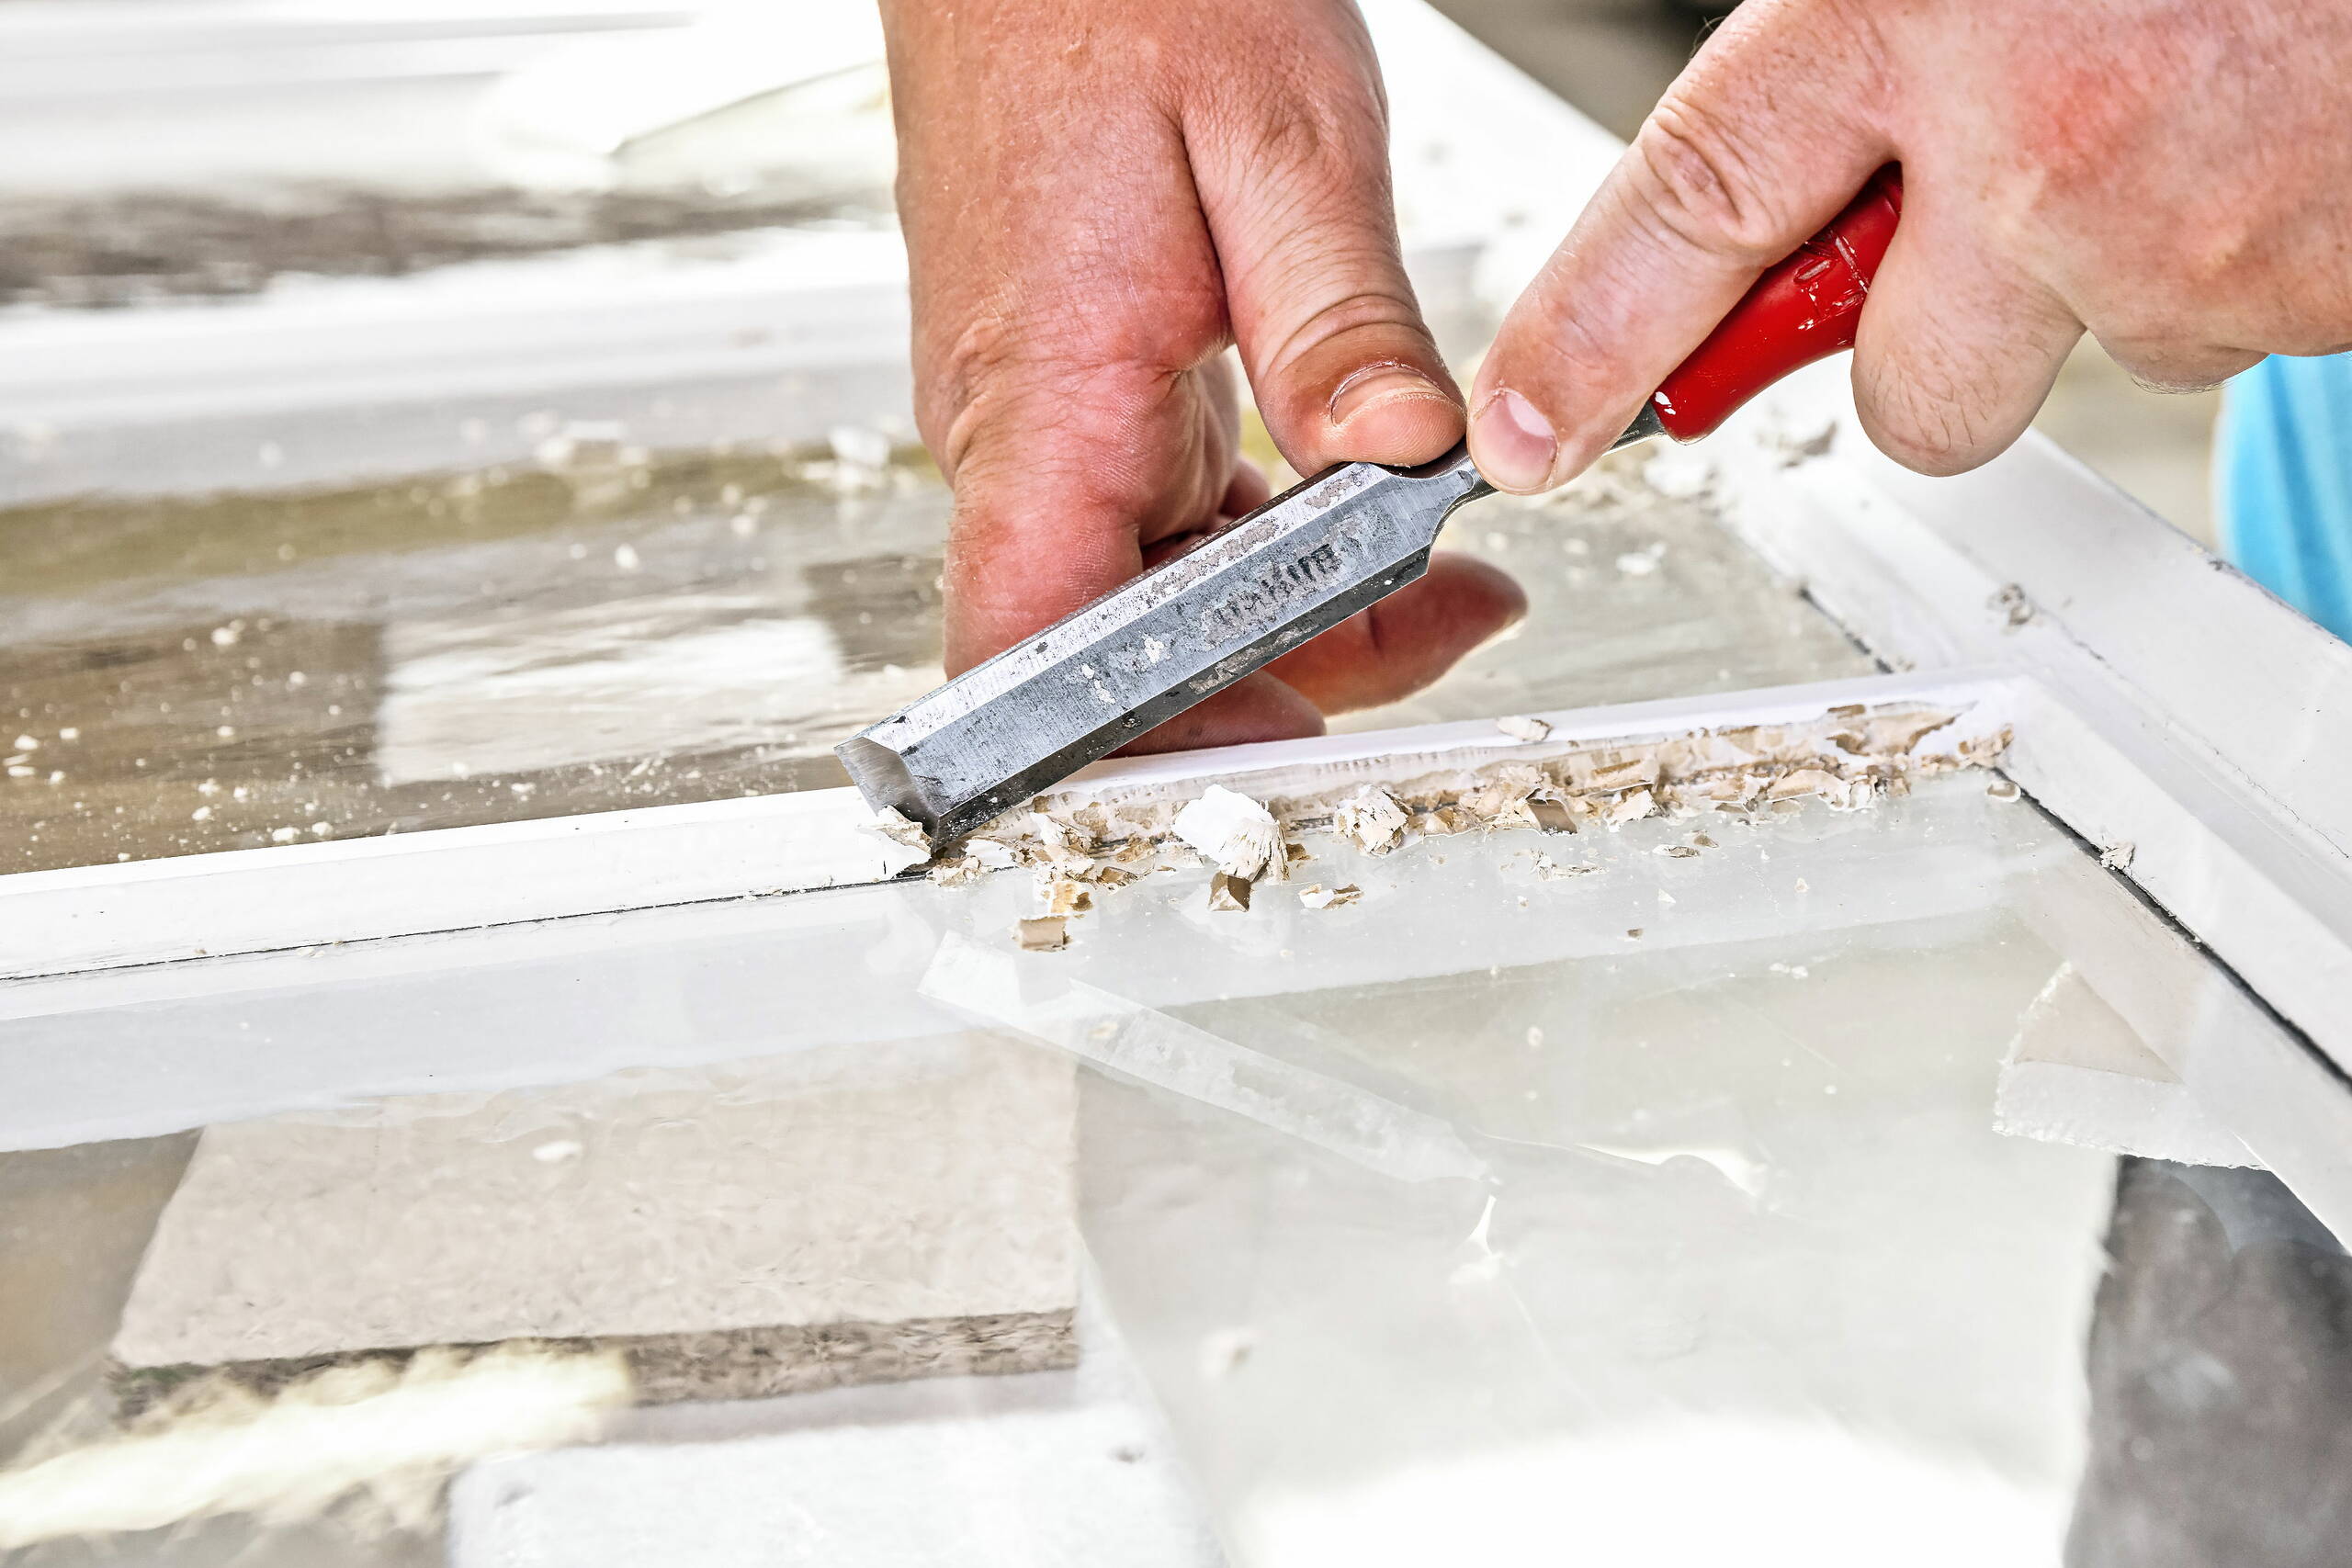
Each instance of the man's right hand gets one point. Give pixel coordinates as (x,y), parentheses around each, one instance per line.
(2174,175)
(1100,197)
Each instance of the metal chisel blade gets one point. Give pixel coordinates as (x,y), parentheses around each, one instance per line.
(1101,676)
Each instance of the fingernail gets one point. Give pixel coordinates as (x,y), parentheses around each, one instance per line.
(1514,445)
(1377,383)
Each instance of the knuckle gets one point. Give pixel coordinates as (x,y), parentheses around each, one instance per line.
(1378,322)
(1286,136)
(1301,110)
(1694,178)
(1703,164)
(1028,416)
(1047,368)
(1556,347)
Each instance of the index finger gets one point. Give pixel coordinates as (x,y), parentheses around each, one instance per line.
(1761,140)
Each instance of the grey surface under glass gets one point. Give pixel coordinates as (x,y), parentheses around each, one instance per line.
(1460,1218)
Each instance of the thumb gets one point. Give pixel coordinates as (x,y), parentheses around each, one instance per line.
(1296,193)
(1765,136)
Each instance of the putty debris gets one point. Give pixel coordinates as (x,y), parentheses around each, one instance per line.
(1521,728)
(1371,819)
(1235,833)
(1048,933)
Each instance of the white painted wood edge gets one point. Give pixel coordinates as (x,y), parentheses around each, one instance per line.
(238,901)
(146,1050)
(2245,1069)
(2126,740)
(1287,767)
(2035,563)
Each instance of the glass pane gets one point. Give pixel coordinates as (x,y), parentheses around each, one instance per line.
(604,627)
(403,484)
(1507,1208)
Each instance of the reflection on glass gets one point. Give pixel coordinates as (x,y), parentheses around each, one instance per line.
(607,626)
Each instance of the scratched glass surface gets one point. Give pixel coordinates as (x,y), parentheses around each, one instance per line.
(1656,1211)
(601,626)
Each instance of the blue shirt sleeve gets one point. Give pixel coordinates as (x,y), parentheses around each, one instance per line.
(2283,473)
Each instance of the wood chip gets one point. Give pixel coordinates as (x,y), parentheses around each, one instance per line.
(2002,789)
(1228,891)
(1448,819)
(1049,934)
(1803,782)
(1371,819)
(1552,816)
(1624,771)
(1321,898)
(1519,727)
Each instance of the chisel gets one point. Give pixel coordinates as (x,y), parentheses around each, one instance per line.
(1300,565)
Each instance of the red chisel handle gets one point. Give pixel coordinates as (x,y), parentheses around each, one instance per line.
(1804,309)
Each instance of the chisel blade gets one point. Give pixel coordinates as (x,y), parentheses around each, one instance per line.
(1189,627)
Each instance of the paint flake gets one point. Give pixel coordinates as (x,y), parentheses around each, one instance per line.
(1503,797)
(1522,729)
(1235,833)
(992,853)
(1321,898)
(1228,893)
(1631,806)
(1371,819)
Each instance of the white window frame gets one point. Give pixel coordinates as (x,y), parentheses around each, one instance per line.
(2162,707)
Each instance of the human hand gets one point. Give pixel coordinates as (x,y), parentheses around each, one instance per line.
(2172,176)
(1098,197)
